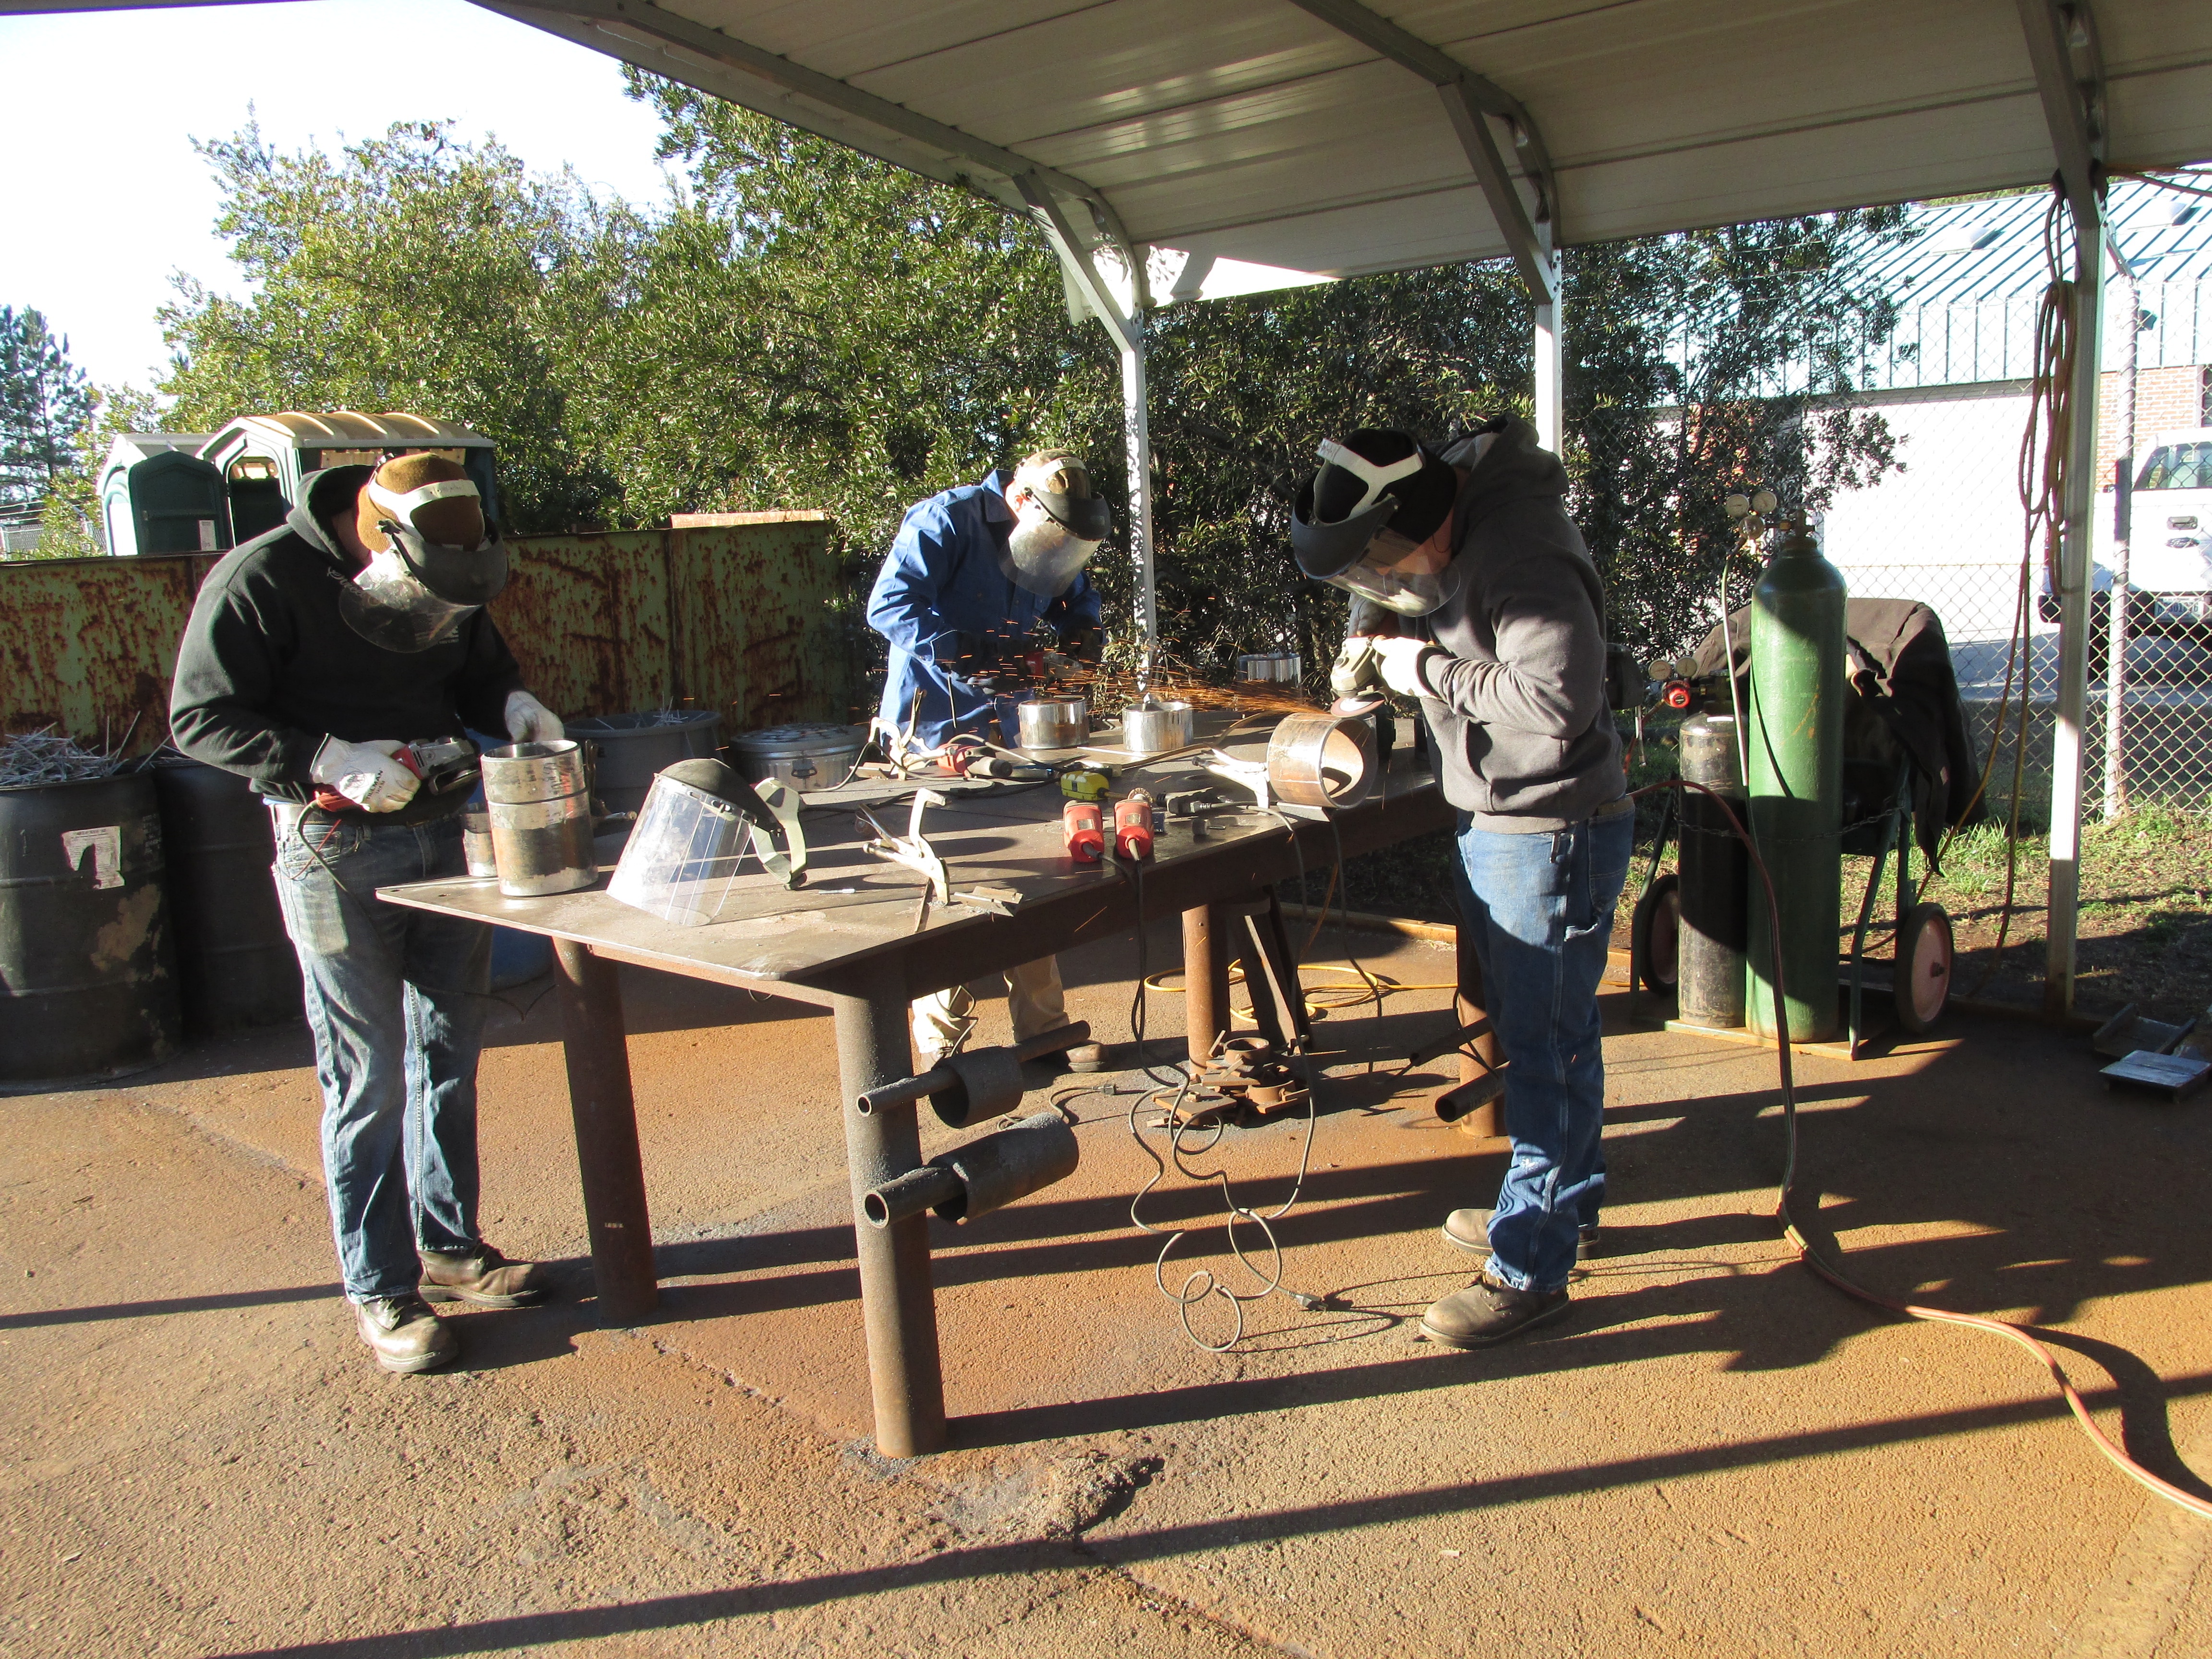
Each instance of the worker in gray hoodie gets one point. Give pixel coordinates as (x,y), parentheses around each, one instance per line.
(1490,614)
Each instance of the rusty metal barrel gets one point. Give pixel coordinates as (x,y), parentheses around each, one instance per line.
(235,964)
(88,970)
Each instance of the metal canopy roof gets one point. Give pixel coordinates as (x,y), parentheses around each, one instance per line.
(1271,146)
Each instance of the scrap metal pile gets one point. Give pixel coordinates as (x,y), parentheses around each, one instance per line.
(30,758)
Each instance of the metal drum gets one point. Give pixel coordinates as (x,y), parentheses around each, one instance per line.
(88,968)
(1322,763)
(634,748)
(808,757)
(235,964)
(1270,666)
(1055,723)
(1157,728)
(541,818)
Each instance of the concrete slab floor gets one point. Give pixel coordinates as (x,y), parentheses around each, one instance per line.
(1712,1453)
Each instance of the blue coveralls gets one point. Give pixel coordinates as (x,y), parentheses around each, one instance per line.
(946,575)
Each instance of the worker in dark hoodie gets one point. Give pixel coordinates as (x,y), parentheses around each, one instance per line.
(1464,557)
(316,655)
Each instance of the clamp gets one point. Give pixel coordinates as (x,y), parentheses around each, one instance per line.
(911,849)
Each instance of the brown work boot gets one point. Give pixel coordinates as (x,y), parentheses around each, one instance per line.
(404,1334)
(482,1276)
(1469,1230)
(1489,1311)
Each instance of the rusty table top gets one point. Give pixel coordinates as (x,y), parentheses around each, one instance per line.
(857,909)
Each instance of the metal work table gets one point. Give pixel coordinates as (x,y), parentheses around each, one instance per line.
(848,941)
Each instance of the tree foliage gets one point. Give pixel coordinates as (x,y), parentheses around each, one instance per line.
(45,403)
(799,326)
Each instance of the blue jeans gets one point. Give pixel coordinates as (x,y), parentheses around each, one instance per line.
(396,999)
(1540,908)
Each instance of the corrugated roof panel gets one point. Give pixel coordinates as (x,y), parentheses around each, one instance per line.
(1250,124)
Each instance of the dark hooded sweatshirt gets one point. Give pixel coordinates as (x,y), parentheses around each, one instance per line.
(1525,741)
(267,668)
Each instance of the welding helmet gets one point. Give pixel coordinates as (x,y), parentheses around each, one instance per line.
(440,562)
(1365,521)
(1045,558)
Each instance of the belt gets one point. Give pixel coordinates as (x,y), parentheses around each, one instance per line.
(1614,809)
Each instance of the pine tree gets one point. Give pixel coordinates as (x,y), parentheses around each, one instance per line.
(45,403)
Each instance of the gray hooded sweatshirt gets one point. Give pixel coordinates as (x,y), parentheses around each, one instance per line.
(1525,740)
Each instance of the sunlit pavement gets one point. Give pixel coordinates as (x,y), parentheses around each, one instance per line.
(1712,1453)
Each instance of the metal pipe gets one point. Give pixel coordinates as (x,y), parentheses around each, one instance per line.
(596,1050)
(1480,1055)
(995,1171)
(1205,983)
(907,1091)
(2116,612)
(2079,501)
(896,1304)
(910,1195)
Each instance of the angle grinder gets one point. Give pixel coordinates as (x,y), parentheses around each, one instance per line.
(444,764)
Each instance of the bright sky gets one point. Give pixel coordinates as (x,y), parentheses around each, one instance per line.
(102,197)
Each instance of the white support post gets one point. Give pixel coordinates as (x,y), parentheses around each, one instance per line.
(1137,444)
(2077,507)
(1549,351)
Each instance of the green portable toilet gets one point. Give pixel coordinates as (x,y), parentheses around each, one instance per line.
(158,497)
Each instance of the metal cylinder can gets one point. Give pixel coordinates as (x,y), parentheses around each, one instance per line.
(1055,723)
(1322,763)
(88,968)
(1159,728)
(536,794)
(1715,894)
(1796,739)
(807,756)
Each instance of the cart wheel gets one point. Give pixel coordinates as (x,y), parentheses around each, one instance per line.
(1923,967)
(1654,935)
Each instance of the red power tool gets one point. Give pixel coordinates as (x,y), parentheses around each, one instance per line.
(1087,835)
(444,764)
(1133,825)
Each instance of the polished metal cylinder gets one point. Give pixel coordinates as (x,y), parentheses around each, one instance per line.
(1156,730)
(1055,723)
(536,795)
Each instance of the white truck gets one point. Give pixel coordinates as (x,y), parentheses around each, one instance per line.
(2169,543)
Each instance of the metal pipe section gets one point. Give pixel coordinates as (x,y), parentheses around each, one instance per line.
(1137,446)
(911,1194)
(1796,719)
(596,1050)
(2116,612)
(2079,502)
(897,1305)
(537,797)
(1205,983)
(1714,892)
(911,1090)
(1322,763)
(1480,1055)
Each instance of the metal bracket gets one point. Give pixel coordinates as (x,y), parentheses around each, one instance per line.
(1078,255)
(1471,101)
(911,849)
(2069,73)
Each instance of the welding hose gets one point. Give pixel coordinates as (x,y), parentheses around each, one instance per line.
(2011,1331)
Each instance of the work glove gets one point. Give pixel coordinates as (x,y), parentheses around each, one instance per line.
(529,720)
(1084,641)
(372,775)
(1402,662)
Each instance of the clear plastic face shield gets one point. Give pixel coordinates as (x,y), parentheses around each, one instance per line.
(1361,553)
(1047,551)
(418,593)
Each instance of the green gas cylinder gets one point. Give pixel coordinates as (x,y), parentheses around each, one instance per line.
(1796,733)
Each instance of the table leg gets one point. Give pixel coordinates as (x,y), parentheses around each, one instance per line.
(1204,981)
(897,1303)
(599,1100)
(1485,1120)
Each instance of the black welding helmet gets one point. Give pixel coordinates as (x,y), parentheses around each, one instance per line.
(1366,519)
(417,591)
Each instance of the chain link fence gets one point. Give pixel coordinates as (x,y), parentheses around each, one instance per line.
(1945,530)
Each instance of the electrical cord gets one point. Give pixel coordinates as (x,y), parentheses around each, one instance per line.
(2019,1334)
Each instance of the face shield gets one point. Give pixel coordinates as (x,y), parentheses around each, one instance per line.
(418,593)
(1046,556)
(1360,553)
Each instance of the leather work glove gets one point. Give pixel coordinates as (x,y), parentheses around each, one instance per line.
(529,720)
(372,775)
(1401,665)
(1084,641)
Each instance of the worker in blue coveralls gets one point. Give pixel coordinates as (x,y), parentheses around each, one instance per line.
(979,575)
